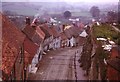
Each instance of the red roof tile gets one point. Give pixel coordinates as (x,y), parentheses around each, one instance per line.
(72,31)
(12,41)
(51,30)
(114,52)
(30,50)
(63,36)
(115,63)
(112,74)
(46,30)
(54,32)
(29,31)
(34,33)
(113,70)
(40,32)
(27,58)
(0,43)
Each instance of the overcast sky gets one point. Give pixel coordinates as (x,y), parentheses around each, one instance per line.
(59,0)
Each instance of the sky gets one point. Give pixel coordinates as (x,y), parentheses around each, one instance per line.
(59,0)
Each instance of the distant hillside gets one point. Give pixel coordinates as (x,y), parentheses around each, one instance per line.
(21,8)
(33,8)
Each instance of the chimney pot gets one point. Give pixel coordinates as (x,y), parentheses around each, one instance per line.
(27,20)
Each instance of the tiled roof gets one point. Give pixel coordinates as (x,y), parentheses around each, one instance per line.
(63,36)
(115,63)
(46,30)
(29,31)
(12,41)
(0,42)
(34,33)
(114,60)
(49,30)
(119,51)
(72,31)
(114,52)
(54,32)
(30,50)
(40,32)
(26,58)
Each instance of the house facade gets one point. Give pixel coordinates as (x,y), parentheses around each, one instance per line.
(29,55)
(35,37)
(64,40)
(72,41)
(55,44)
(48,37)
(72,34)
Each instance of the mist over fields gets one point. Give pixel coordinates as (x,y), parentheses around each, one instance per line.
(76,8)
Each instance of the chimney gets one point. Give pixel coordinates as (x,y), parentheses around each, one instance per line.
(63,27)
(27,20)
(34,23)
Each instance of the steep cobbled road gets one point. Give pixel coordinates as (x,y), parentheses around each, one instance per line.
(60,64)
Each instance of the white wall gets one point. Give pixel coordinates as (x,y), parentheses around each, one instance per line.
(35,60)
(72,42)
